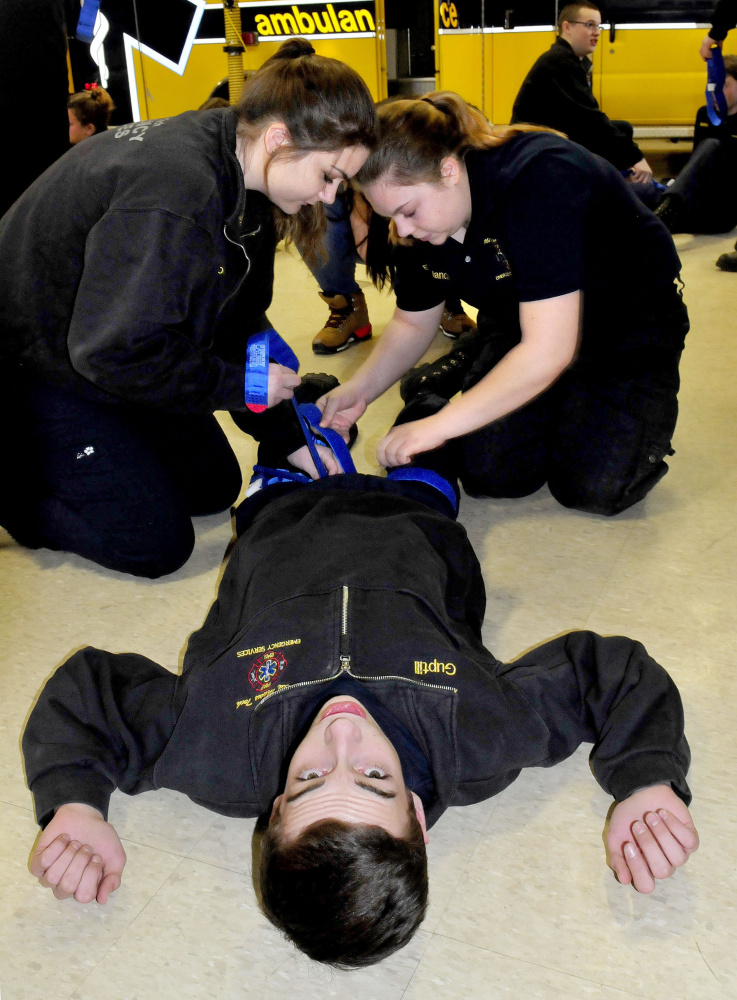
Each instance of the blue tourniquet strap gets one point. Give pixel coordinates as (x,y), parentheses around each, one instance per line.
(271,476)
(415,474)
(716,102)
(309,417)
(86,23)
(261,347)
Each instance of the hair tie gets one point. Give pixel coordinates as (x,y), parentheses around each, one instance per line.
(90,86)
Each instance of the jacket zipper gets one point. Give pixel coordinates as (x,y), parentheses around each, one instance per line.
(345,658)
(345,662)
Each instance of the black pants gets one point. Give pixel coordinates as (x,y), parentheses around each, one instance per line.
(707,186)
(117,484)
(598,437)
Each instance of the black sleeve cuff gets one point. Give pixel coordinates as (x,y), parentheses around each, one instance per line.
(641,771)
(69,784)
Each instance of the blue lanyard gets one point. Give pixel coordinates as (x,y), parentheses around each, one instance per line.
(716,103)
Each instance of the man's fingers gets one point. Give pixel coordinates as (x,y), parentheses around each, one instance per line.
(109,884)
(620,869)
(86,890)
(641,876)
(45,856)
(53,875)
(659,865)
(684,834)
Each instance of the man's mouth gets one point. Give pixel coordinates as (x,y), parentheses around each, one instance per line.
(344,708)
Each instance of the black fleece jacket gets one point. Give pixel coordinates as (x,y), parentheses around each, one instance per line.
(382,587)
(137,265)
(556,93)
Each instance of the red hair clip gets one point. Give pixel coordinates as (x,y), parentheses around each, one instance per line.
(90,86)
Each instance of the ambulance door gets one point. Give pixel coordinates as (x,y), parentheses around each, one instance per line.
(460,50)
(519,31)
(650,69)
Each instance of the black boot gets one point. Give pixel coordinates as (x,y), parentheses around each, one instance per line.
(444,377)
(671,212)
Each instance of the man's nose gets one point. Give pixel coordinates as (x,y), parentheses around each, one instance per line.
(342,733)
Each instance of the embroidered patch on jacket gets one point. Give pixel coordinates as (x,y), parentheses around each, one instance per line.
(266,670)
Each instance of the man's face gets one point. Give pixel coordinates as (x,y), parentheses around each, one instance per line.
(346,769)
(730,94)
(582,37)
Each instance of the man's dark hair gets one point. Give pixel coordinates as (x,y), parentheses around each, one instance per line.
(571,11)
(346,894)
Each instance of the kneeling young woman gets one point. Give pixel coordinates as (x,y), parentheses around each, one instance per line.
(581,325)
(132,274)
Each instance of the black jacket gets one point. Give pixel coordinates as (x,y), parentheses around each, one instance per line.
(324,581)
(723,19)
(556,93)
(136,266)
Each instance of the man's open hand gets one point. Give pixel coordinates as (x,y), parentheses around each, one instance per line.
(78,854)
(648,836)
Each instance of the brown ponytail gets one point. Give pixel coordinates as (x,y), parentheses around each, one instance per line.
(324,104)
(416,135)
(92,107)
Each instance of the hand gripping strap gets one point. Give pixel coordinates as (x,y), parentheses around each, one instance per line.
(716,103)
(309,417)
(261,347)
(415,474)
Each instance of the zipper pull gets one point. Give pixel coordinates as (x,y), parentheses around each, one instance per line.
(345,662)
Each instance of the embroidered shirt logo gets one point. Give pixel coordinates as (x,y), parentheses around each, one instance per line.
(434,667)
(266,670)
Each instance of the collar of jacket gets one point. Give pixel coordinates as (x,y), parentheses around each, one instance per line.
(583,60)
(236,225)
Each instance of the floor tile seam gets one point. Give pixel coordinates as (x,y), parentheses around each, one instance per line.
(546,968)
(466,867)
(220,868)
(608,577)
(430,936)
(124,930)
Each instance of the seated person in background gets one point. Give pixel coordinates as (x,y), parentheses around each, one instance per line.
(557,93)
(89,113)
(340,687)
(703,198)
(349,321)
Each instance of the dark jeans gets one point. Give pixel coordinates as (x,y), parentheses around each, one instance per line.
(598,437)
(707,186)
(117,484)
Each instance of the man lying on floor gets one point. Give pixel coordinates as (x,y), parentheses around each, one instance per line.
(340,686)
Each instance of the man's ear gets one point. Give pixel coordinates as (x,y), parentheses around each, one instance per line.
(277,804)
(276,136)
(420,814)
(450,171)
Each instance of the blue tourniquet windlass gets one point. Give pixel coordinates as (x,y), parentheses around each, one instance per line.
(261,347)
(716,103)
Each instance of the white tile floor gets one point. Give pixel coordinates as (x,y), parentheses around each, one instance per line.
(521,901)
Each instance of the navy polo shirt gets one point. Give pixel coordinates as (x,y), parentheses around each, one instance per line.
(548,218)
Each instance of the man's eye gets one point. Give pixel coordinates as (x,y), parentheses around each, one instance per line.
(375,772)
(310,775)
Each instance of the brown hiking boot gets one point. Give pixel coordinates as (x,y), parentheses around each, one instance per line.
(453,324)
(348,324)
